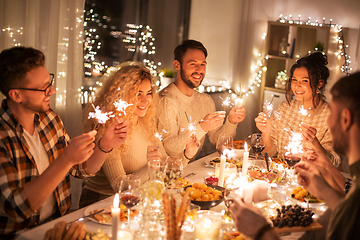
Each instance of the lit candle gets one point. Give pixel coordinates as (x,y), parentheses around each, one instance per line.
(222,171)
(124,235)
(115,213)
(207,226)
(248,189)
(245,161)
(260,191)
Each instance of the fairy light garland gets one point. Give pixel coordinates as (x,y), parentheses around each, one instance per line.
(238,94)
(341,52)
(92,42)
(14,34)
(140,38)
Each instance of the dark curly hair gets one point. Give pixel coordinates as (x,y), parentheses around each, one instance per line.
(180,50)
(15,63)
(315,64)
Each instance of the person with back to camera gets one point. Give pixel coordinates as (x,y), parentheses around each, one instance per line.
(180,104)
(344,124)
(308,78)
(36,153)
(133,83)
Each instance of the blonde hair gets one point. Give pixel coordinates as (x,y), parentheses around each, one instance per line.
(124,84)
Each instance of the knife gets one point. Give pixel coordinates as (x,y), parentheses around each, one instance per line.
(267,161)
(87,216)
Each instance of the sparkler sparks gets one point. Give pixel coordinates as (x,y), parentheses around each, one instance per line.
(159,136)
(294,147)
(102,117)
(268,108)
(226,102)
(121,105)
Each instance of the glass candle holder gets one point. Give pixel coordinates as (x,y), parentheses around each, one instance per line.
(207,225)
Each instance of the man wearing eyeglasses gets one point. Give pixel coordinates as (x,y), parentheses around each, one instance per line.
(36,153)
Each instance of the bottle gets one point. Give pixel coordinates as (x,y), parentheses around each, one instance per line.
(283,45)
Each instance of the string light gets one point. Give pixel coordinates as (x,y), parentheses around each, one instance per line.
(345,68)
(14,35)
(140,38)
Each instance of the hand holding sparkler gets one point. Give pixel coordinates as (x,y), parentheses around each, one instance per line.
(115,134)
(192,146)
(263,123)
(212,121)
(237,114)
(153,153)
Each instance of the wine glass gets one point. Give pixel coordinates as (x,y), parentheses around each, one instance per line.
(224,142)
(256,144)
(129,193)
(173,169)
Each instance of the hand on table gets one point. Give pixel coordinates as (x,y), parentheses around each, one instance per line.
(212,121)
(76,231)
(153,153)
(237,114)
(263,123)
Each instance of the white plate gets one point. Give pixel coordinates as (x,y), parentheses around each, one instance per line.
(98,206)
(207,162)
(303,204)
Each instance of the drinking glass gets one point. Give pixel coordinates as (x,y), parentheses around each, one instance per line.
(129,193)
(224,142)
(256,144)
(173,169)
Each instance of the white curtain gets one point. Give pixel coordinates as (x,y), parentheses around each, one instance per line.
(56,28)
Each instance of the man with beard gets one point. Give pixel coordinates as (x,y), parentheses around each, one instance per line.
(36,154)
(181,106)
(344,124)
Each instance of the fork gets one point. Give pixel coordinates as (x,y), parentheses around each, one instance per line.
(87,216)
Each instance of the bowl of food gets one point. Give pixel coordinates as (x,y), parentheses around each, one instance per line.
(206,196)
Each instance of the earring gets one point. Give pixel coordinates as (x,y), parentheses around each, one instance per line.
(318,91)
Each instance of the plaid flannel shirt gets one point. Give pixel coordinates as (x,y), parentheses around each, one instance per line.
(17,167)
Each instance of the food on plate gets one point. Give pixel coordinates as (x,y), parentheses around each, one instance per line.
(239,144)
(300,193)
(292,215)
(180,183)
(235,236)
(279,161)
(201,192)
(99,235)
(236,162)
(61,231)
(212,180)
(105,216)
(270,177)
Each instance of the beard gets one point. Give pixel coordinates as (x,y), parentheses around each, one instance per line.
(186,79)
(340,143)
(40,108)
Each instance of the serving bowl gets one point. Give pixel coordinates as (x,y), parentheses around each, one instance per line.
(206,205)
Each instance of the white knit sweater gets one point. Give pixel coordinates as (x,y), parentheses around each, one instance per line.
(173,122)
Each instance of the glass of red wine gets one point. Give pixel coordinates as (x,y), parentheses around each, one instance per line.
(256,144)
(291,160)
(129,193)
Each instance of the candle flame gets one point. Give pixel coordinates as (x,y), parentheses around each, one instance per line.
(116,201)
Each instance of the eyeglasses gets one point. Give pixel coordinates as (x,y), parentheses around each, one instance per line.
(46,90)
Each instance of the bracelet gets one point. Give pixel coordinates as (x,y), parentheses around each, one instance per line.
(101,149)
(261,231)
(348,185)
(186,156)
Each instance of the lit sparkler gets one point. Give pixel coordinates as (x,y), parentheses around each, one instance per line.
(102,117)
(159,136)
(294,147)
(226,102)
(121,105)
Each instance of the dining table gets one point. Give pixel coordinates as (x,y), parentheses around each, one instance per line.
(195,171)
